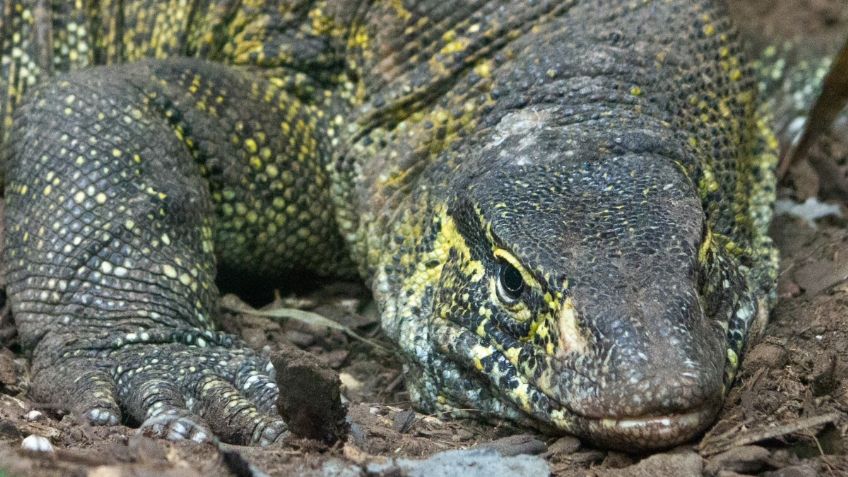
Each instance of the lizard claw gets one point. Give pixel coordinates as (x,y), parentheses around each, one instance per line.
(176,426)
(99,416)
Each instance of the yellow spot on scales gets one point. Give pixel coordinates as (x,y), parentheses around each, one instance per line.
(169,271)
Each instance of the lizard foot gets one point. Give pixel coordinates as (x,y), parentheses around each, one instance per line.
(180,384)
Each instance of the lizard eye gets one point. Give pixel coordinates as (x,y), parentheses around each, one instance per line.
(510,283)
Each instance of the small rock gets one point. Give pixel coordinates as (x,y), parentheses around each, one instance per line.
(34,415)
(514,445)
(564,445)
(841,394)
(766,355)
(146,450)
(587,457)
(36,443)
(678,464)
(789,289)
(334,358)
(105,471)
(745,459)
(311,402)
(467,463)
(403,421)
(617,460)
(823,375)
(8,429)
(462,435)
(8,377)
(254,337)
(793,471)
(350,383)
(300,339)
(358,434)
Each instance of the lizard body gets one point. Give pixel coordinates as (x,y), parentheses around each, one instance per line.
(560,206)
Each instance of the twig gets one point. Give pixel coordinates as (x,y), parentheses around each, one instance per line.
(304,317)
(757,435)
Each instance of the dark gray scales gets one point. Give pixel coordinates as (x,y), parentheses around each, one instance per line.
(560,206)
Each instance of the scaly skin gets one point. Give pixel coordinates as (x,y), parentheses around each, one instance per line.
(561,207)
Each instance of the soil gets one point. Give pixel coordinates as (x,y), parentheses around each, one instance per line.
(787,414)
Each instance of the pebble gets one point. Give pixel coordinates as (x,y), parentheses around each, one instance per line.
(766,355)
(467,463)
(34,415)
(617,460)
(678,464)
(300,339)
(564,445)
(36,443)
(515,445)
(403,421)
(793,471)
(350,383)
(824,373)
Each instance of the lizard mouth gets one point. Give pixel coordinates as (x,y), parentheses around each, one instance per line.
(648,432)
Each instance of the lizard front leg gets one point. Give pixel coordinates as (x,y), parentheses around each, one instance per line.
(115,177)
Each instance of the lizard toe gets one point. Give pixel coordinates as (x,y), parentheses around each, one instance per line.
(93,389)
(235,417)
(257,385)
(222,389)
(176,425)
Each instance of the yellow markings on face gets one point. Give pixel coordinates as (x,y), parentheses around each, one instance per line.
(705,247)
(521,396)
(512,355)
(479,353)
(562,420)
(449,237)
(571,339)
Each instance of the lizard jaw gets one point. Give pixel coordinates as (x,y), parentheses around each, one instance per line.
(649,432)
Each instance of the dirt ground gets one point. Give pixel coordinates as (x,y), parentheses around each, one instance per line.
(787,414)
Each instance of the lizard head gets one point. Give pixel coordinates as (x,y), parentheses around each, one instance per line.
(569,296)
